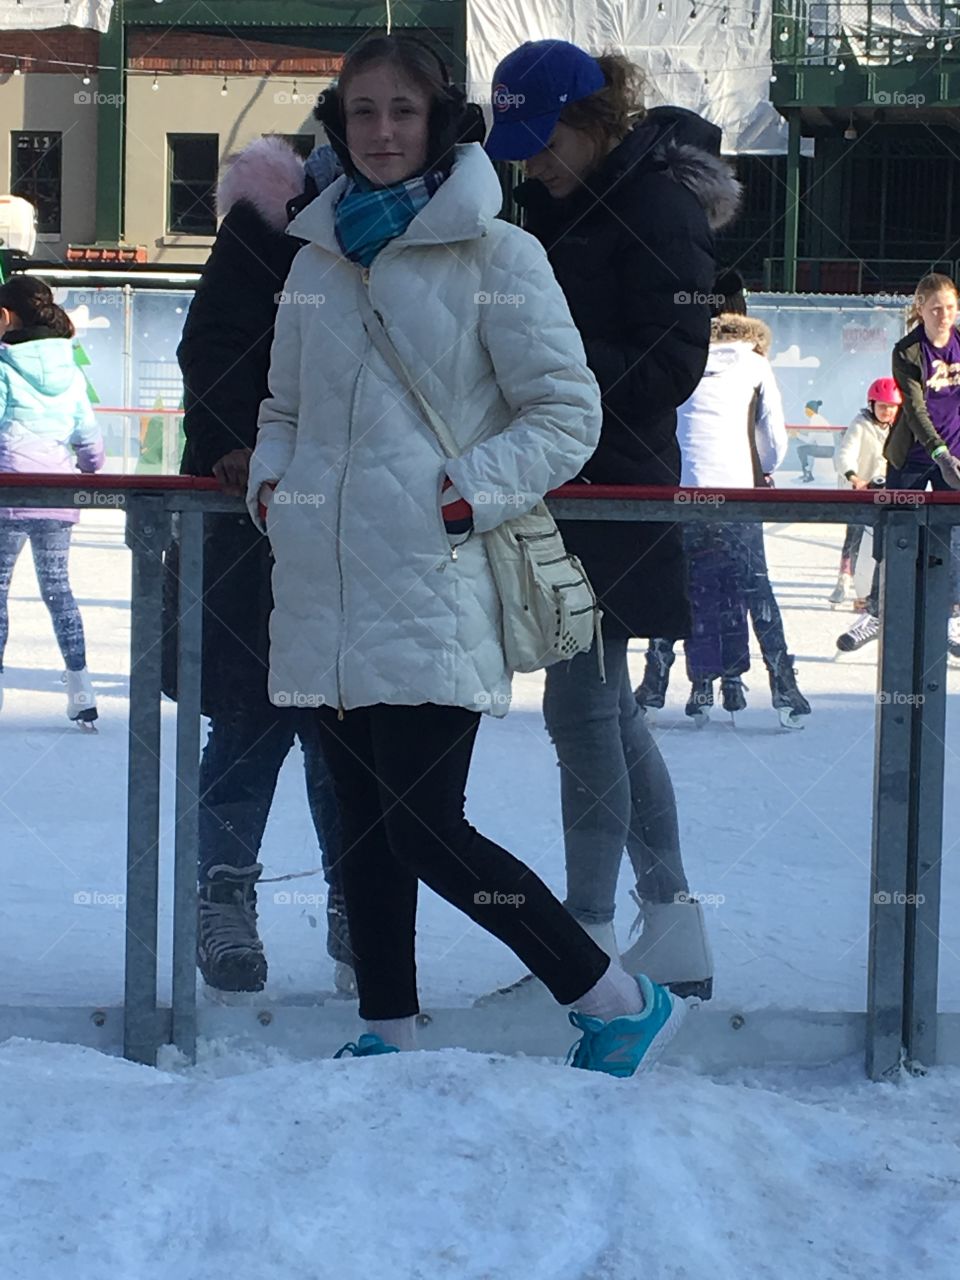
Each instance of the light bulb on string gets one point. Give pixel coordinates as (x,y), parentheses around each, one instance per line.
(931,43)
(156,84)
(660,10)
(784,34)
(948,47)
(86,76)
(841,66)
(224,90)
(909,57)
(16,69)
(773,77)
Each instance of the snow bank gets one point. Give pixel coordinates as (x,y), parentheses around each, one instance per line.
(456,1165)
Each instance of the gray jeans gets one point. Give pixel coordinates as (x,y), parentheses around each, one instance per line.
(615,790)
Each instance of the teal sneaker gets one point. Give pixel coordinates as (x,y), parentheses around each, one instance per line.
(366,1047)
(631,1044)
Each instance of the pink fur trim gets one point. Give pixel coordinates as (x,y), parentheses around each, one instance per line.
(268,174)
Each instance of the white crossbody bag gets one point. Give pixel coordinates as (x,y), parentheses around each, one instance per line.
(549,609)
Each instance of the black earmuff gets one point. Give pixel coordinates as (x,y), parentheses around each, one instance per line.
(452,119)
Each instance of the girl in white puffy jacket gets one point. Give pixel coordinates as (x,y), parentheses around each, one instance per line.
(386,618)
(861,465)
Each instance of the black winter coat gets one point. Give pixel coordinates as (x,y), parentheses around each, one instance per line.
(224,356)
(633,252)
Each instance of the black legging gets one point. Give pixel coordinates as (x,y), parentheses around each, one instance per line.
(400,776)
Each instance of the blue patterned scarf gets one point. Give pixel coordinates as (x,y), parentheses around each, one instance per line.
(369,217)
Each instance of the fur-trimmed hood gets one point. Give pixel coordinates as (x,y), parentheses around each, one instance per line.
(736,328)
(267,174)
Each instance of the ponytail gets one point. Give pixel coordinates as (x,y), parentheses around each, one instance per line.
(32,302)
(931,283)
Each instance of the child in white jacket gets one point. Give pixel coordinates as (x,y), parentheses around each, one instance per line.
(861,465)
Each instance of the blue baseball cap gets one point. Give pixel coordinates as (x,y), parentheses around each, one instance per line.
(531,87)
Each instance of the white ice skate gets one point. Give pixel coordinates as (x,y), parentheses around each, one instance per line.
(81,701)
(953,642)
(843,591)
(529,992)
(674,949)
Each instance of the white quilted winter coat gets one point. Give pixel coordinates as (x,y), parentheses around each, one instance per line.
(370,606)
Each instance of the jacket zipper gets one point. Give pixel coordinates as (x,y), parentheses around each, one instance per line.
(365,277)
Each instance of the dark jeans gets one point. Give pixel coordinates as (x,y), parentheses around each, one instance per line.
(718,644)
(238,777)
(50,545)
(400,775)
(852,539)
(762,606)
(807,451)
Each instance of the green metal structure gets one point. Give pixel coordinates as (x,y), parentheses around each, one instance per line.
(879,203)
(334,25)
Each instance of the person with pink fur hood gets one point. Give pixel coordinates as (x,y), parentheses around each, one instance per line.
(224,357)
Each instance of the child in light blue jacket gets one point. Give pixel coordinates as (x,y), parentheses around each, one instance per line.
(46,426)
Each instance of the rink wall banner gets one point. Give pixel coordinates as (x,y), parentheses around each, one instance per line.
(713,59)
(40,15)
(826,350)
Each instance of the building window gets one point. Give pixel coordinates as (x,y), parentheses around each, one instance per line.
(35,174)
(192,167)
(302,143)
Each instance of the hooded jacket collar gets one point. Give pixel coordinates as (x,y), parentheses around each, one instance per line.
(668,140)
(730,327)
(462,209)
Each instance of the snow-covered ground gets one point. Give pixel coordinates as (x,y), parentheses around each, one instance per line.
(252,1164)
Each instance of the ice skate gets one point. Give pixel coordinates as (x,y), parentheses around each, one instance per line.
(625,1046)
(81,701)
(733,695)
(843,590)
(229,951)
(859,633)
(788,701)
(367,1046)
(699,702)
(673,949)
(529,992)
(652,691)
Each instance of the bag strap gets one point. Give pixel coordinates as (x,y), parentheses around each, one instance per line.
(376,331)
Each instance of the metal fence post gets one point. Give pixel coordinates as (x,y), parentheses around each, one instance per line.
(899,532)
(922,958)
(146,535)
(188,783)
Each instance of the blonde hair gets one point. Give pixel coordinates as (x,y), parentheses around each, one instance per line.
(931,283)
(609,114)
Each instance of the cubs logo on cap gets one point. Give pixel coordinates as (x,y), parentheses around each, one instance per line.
(531,87)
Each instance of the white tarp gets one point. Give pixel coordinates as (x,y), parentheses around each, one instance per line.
(719,69)
(38,15)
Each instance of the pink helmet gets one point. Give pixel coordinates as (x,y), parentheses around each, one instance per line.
(885,390)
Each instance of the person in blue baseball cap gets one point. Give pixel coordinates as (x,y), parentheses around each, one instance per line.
(625,202)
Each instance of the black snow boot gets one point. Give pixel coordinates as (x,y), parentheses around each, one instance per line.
(229,951)
(787,698)
(652,691)
(733,693)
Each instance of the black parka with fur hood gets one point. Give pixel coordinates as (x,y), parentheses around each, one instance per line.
(633,252)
